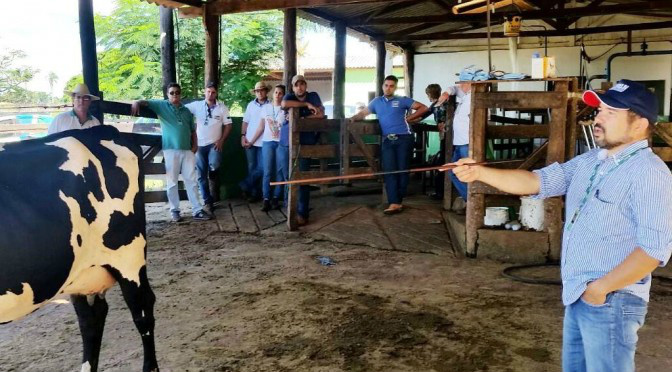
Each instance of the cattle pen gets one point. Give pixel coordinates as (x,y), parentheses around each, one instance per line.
(356,290)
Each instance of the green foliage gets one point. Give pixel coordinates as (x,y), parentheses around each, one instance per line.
(250,42)
(129,66)
(12,77)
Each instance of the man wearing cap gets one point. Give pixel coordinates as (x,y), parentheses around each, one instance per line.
(397,146)
(79,117)
(213,125)
(618,227)
(252,143)
(310,106)
(460,127)
(179,143)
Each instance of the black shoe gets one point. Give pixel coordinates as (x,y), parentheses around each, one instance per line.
(267,206)
(202,216)
(275,204)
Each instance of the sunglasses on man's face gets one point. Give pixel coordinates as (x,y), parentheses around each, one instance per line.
(174,93)
(83,98)
(259,90)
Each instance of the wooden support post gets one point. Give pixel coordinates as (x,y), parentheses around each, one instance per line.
(87,37)
(324,166)
(211,24)
(477,151)
(381,54)
(344,139)
(409,70)
(448,154)
(557,132)
(294,171)
(339,71)
(572,125)
(168,70)
(289,47)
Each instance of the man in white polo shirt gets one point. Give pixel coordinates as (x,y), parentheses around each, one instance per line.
(79,117)
(213,125)
(252,142)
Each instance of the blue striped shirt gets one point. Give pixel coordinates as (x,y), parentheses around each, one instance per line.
(629,206)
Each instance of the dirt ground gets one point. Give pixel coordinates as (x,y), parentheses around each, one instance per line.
(253,302)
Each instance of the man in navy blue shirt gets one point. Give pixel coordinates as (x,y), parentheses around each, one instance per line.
(397,138)
(310,106)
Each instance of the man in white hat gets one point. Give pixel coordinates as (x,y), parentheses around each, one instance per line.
(79,117)
(252,142)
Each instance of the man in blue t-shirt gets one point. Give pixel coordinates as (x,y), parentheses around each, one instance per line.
(310,106)
(397,145)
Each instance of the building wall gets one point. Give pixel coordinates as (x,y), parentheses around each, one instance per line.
(358,83)
(441,67)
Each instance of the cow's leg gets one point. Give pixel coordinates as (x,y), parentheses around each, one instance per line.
(91,313)
(140,300)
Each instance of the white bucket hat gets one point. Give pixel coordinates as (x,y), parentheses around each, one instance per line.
(82,90)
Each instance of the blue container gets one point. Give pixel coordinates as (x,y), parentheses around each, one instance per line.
(24,118)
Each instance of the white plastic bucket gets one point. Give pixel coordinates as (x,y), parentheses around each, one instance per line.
(532,213)
(496,216)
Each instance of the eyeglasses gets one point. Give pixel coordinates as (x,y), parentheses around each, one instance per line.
(174,93)
(83,98)
(259,90)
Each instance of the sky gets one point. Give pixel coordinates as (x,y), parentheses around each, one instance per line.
(51,38)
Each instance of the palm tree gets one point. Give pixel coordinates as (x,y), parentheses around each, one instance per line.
(53,78)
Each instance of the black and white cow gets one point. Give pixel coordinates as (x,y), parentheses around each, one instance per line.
(72,222)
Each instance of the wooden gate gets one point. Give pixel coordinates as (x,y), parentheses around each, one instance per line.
(349,145)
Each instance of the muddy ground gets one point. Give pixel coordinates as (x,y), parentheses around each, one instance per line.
(262,302)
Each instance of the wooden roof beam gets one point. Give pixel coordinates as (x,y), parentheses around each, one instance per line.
(220,7)
(391,8)
(549,33)
(594,5)
(568,13)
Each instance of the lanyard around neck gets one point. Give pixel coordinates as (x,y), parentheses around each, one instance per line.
(593,185)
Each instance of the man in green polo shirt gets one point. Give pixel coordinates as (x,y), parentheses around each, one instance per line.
(178,140)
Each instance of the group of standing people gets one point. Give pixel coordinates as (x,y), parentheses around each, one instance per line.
(193,136)
(265,137)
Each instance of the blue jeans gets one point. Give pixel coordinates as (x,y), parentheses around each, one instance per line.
(602,338)
(272,169)
(396,155)
(459,152)
(303,205)
(255,171)
(208,161)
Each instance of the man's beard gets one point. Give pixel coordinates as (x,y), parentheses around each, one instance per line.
(611,144)
(302,95)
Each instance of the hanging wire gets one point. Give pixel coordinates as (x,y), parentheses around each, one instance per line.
(177,42)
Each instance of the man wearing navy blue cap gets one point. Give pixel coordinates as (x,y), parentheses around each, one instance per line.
(618,227)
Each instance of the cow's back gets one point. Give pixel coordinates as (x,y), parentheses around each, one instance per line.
(71,206)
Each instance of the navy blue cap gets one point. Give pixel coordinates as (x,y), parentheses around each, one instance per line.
(626,95)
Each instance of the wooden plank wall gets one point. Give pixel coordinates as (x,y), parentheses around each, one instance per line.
(560,131)
(350,145)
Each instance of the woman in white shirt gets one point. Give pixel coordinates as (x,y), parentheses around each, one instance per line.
(272,118)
